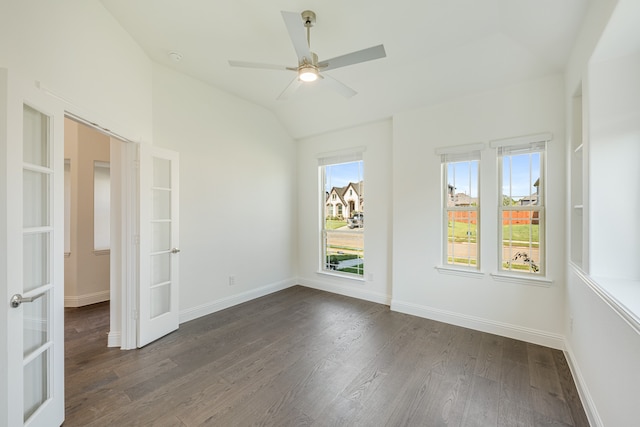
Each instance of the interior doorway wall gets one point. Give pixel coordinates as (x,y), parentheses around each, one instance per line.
(87,260)
(122,258)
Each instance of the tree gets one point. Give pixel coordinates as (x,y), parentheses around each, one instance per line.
(508,201)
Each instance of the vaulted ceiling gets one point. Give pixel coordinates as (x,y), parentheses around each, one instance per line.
(436,49)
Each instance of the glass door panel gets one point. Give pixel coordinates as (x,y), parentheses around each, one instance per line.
(37,259)
(36,383)
(36,147)
(160,300)
(35,198)
(159,238)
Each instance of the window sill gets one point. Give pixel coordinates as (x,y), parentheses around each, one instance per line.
(533,281)
(620,294)
(342,275)
(459,271)
(101,251)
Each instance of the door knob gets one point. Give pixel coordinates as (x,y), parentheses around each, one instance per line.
(175,250)
(18,299)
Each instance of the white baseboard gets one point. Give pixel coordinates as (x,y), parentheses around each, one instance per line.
(535,336)
(87,299)
(221,304)
(583,390)
(114,339)
(355,291)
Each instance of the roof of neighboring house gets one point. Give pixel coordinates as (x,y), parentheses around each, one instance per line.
(339,191)
(461,199)
(529,200)
(358,187)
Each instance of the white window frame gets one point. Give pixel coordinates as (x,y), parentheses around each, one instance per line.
(459,154)
(512,147)
(101,207)
(328,159)
(67,207)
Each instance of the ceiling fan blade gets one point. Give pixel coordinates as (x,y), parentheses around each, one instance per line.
(256,65)
(368,54)
(339,87)
(290,89)
(297,34)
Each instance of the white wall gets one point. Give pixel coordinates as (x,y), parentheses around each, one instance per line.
(238,164)
(524,311)
(375,138)
(77,50)
(603,346)
(614,92)
(86,272)
(237,193)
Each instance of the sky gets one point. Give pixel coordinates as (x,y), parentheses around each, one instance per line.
(341,174)
(525,170)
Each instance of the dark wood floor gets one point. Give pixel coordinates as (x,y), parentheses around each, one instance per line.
(305,357)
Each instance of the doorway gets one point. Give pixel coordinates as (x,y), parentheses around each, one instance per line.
(112,252)
(87,215)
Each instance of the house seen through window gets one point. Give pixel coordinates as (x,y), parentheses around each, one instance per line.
(342,216)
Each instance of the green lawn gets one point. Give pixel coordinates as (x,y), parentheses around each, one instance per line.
(460,232)
(356,269)
(519,232)
(332,224)
(464,261)
(333,259)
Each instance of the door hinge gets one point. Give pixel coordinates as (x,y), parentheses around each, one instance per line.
(136,239)
(134,314)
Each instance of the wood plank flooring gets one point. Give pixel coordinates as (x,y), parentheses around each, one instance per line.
(302,357)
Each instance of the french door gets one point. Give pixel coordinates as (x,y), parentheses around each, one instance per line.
(159,244)
(32,221)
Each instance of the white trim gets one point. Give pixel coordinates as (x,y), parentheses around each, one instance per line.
(620,309)
(128,288)
(348,291)
(86,299)
(466,272)
(521,140)
(350,276)
(525,280)
(346,155)
(114,339)
(508,330)
(465,148)
(223,303)
(583,391)
(101,164)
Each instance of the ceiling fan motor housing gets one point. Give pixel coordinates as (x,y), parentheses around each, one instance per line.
(309,18)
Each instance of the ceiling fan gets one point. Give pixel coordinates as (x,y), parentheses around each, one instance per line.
(309,68)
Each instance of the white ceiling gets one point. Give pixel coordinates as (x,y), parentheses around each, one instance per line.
(436,49)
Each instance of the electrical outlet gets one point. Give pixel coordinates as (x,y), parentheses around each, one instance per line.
(232,280)
(370,277)
(571,324)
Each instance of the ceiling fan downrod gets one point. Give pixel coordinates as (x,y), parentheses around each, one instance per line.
(309,19)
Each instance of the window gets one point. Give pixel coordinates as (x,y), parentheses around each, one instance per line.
(101,206)
(521,204)
(67,207)
(342,230)
(461,221)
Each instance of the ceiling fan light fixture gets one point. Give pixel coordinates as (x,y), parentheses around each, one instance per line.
(308,73)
